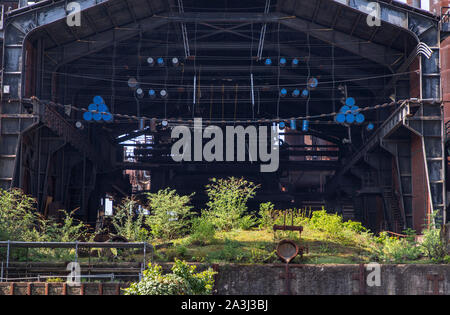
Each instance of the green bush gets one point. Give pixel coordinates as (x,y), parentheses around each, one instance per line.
(127,224)
(354,226)
(324,222)
(266,214)
(19,221)
(69,230)
(202,231)
(433,245)
(228,201)
(199,283)
(18,218)
(184,280)
(247,222)
(394,250)
(170,214)
(447,259)
(333,226)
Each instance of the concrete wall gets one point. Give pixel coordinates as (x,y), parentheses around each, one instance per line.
(332,280)
(270,280)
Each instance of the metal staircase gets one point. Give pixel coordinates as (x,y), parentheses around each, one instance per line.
(392,202)
(394,121)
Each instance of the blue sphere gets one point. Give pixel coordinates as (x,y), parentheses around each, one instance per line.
(98,100)
(345,109)
(313,83)
(97,116)
(354,109)
(283,91)
(93,107)
(283,61)
(305,93)
(296,93)
(370,127)
(360,118)
(102,108)
(340,118)
(107,117)
(87,116)
(350,118)
(350,101)
(268,61)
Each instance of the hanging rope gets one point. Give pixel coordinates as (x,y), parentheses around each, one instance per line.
(243,121)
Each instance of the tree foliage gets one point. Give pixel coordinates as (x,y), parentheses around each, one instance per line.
(129,222)
(228,201)
(169,214)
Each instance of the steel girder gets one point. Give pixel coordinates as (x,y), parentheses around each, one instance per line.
(19,25)
(14,117)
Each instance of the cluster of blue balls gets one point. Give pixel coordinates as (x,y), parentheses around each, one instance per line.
(349,113)
(98,111)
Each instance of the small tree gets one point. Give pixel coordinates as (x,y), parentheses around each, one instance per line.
(228,201)
(128,223)
(169,214)
(433,246)
(18,217)
(202,231)
(69,230)
(266,213)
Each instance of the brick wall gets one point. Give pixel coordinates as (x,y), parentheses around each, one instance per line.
(41,288)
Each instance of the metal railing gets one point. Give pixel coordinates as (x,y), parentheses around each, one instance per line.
(76,246)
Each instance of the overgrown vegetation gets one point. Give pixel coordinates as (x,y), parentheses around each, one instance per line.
(227,203)
(202,232)
(226,231)
(170,214)
(20,222)
(433,246)
(395,250)
(184,280)
(128,222)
